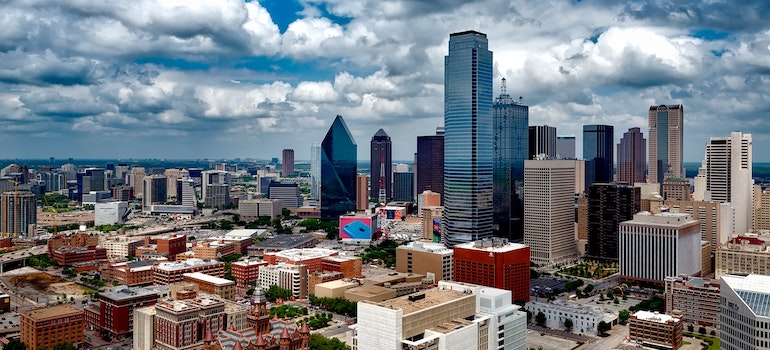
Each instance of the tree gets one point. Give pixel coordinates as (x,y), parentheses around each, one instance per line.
(603,328)
(540,318)
(690,328)
(702,330)
(713,333)
(623,315)
(274,293)
(588,289)
(15,345)
(610,295)
(319,342)
(568,324)
(616,301)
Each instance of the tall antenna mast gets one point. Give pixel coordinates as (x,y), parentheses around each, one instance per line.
(502,88)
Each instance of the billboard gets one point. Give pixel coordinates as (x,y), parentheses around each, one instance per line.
(437,230)
(394,213)
(356,227)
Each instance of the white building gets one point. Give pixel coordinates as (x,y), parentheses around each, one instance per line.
(120,246)
(744,312)
(110,213)
(291,277)
(728,177)
(185,189)
(654,246)
(585,318)
(144,328)
(549,210)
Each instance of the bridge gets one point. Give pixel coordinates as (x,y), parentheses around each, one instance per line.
(11,260)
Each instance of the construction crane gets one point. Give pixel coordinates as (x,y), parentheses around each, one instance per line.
(53,217)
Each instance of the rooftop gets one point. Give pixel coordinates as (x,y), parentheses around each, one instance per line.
(337,284)
(53,312)
(208,278)
(435,248)
(451,326)
(654,317)
(304,253)
(752,289)
(249,262)
(492,245)
(179,265)
(662,219)
(432,297)
(284,242)
(124,293)
(245,233)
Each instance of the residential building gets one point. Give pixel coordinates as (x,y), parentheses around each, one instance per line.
(510,118)
(632,157)
(50,326)
(585,317)
(666,133)
(117,308)
(403,186)
(291,277)
(468,139)
(19,211)
(429,162)
(565,147)
(656,330)
(362,193)
(598,141)
(744,321)
(549,210)
(542,142)
(287,162)
(494,263)
(429,259)
(381,168)
(655,246)
(728,163)
(221,287)
(608,205)
(696,298)
(173,272)
(338,171)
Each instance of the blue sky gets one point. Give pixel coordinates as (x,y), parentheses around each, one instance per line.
(227,78)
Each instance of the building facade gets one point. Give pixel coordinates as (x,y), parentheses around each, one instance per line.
(381,169)
(585,317)
(632,157)
(542,142)
(494,263)
(403,186)
(426,259)
(728,176)
(549,210)
(173,272)
(50,326)
(430,163)
(744,254)
(656,330)
(116,308)
(609,205)
(666,132)
(565,147)
(468,139)
(19,211)
(744,320)
(287,162)
(696,298)
(338,171)
(598,141)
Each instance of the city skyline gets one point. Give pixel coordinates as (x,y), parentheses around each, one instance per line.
(247,79)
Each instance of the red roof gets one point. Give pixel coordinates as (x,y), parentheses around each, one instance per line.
(238,346)
(749,240)
(208,337)
(260,341)
(285,334)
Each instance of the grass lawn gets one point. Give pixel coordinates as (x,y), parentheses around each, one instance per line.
(711,340)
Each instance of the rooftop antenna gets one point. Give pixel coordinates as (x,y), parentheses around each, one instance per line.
(502,88)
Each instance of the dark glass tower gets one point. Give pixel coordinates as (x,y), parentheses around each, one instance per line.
(598,142)
(381,160)
(430,164)
(338,171)
(608,206)
(511,119)
(403,187)
(632,157)
(542,141)
(468,139)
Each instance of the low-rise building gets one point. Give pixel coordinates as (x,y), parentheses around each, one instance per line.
(287,276)
(282,242)
(133,273)
(334,289)
(696,298)
(50,326)
(585,318)
(310,257)
(182,324)
(656,330)
(317,277)
(172,272)
(215,249)
(246,272)
(119,247)
(72,255)
(224,288)
(116,308)
(744,254)
(430,259)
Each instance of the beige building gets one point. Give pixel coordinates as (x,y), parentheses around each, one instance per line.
(676,189)
(431,229)
(696,298)
(763,212)
(224,288)
(120,246)
(369,292)
(715,219)
(747,254)
(656,330)
(334,289)
(429,259)
(671,119)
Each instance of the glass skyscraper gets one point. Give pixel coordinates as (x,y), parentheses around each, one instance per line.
(598,145)
(468,139)
(511,120)
(315,170)
(666,124)
(381,150)
(338,171)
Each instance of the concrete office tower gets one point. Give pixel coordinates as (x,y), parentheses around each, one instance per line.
(655,246)
(287,193)
(728,176)
(609,205)
(743,313)
(362,192)
(666,134)
(403,186)
(598,142)
(715,219)
(215,188)
(511,119)
(381,161)
(185,189)
(429,162)
(338,171)
(287,162)
(172,175)
(763,214)
(468,139)
(92,179)
(136,180)
(565,147)
(632,157)
(542,142)
(315,170)
(154,191)
(549,210)
(19,211)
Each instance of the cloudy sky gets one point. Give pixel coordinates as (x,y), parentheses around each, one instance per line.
(227,78)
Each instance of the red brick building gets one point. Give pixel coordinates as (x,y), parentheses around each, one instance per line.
(116,309)
(494,263)
(50,326)
(80,240)
(69,255)
(350,266)
(135,273)
(246,271)
(172,245)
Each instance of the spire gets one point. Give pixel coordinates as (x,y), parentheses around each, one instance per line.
(260,341)
(502,88)
(304,328)
(238,345)
(284,334)
(208,337)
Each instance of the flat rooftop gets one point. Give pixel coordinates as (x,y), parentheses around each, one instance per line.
(282,242)
(667,219)
(179,265)
(451,326)
(304,253)
(248,233)
(393,277)
(126,293)
(492,245)
(55,311)
(435,248)
(209,278)
(654,317)
(337,284)
(433,297)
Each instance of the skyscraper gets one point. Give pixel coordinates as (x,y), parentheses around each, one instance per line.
(598,142)
(608,206)
(19,210)
(728,176)
(154,191)
(511,119)
(468,139)
(92,179)
(430,163)
(549,210)
(666,124)
(338,171)
(362,191)
(542,141)
(315,170)
(381,165)
(632,151)
(403,186)
(287,162)
(565,147)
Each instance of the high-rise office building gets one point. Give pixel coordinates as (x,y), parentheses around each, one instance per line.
(468,139)
(494,263)
(598,142)
(743,313)
(286,192)
(154,191)
(429,163)
(338,171)
(511,119)
(565,147)
(632,157)
(136,180)
(728,176)
(381,161)
(666,123)
(92,179)
(609,205)
(403,186)
(542,142)
(215,188)
(185,190)
(19,210)
(362,192)
(315,170)
(287,162)
(549,210)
